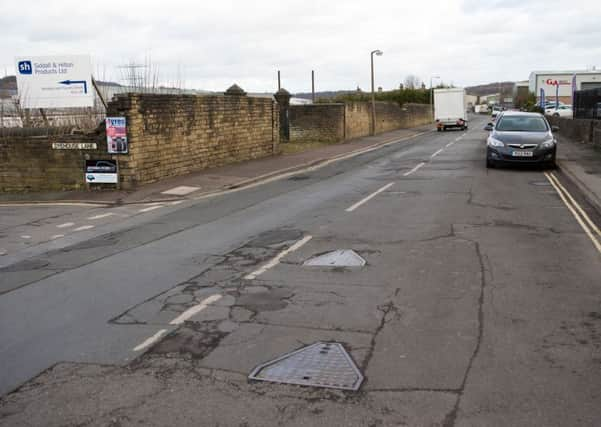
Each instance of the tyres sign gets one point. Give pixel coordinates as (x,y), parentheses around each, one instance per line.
(101,172)
(116,135)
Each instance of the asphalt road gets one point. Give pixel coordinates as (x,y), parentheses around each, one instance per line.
(480,303)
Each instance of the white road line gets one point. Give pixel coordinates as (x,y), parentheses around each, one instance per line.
(177,202)
(582,213)
(437,153)
(149,341)
(26,236)
(66,224)
(450,143)
(414,169)
(83,227)
(150,208)
(194,310)
(276,260)
(56,236)
(582,224)
(181,191)
(368,198)
(104,215)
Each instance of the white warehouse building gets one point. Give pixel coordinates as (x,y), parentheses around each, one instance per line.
(550,80)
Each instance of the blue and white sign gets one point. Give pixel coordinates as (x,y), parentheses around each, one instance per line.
(55,81)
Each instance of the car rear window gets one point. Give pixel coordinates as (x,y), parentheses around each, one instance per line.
(522,124)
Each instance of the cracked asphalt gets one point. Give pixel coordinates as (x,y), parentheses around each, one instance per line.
(479,304)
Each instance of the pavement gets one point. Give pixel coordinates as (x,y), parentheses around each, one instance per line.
(215,180)
(582,163)
(479,303)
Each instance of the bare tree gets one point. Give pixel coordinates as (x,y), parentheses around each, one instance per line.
(412,81)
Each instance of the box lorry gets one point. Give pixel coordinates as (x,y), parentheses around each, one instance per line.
(450,108)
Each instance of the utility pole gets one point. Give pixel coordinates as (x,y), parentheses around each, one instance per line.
(279,81)
(313,86)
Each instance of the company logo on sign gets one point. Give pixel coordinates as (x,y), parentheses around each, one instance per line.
(552,82)
(25,67)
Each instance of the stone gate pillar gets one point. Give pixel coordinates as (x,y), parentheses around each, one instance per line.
(282,96)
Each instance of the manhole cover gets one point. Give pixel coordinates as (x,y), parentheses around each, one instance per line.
(338,258)
(323,364)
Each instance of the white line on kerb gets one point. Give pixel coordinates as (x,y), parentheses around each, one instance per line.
(368,198)
(66,224)
(194,310)
(104,215)
(83,227)
(276,260)
(150,208)
(414,169)
(437,153)
(569,206)
(149,341)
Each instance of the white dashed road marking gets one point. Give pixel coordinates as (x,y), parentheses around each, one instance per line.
(83,227)
(275,261)
(371,196)
(150,208)
(437,153)
(26,236)
(194,310)
(105,215)
(149,341)
(57,236)
(414,169)
(66,224)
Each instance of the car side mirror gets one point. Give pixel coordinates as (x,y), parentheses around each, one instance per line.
(554,128)
(488,127)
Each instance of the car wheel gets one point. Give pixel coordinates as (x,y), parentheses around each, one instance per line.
(556,115)
(489,164)
(438,129)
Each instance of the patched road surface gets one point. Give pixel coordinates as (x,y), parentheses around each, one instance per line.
(461,296)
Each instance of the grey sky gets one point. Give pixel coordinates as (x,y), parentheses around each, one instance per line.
(216,43)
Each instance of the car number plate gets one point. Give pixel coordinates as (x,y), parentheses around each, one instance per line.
(522,153)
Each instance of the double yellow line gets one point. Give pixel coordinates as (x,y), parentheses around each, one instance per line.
(589,227)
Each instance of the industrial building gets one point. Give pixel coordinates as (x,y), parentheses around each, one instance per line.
(553,82)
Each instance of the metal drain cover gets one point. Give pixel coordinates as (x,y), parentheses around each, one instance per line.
(338,258)
(323,364)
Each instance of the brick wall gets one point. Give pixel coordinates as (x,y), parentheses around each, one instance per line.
(171,135)
(29,163)
(338,122)
(316,122)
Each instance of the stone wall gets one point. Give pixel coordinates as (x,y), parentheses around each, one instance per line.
(29,163)
(171,135)
(358,119)
(317,122)
(168,135)
(338,122)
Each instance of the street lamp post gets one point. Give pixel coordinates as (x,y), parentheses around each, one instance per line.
(373,94)
(432,96)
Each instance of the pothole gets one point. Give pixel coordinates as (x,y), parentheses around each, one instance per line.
(337,258)
(323,364)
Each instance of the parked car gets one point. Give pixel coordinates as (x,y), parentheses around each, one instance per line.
(561,111)
(521,138)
